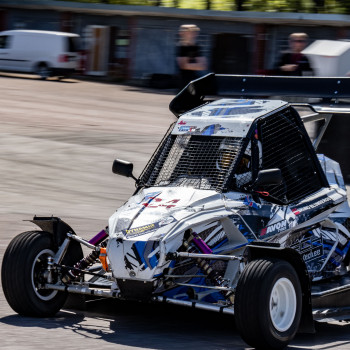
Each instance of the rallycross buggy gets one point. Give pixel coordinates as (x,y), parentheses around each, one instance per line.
(234,212)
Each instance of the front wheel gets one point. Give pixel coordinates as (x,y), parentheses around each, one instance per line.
(23,275)
(268,303)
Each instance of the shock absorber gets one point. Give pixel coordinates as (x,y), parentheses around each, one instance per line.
(89,260)
(82,264)
(203,264)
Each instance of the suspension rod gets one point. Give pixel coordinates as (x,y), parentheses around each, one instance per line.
(86,272)
(204,256)
(83,290)
(197,305)
(82,241)
(185,276)
(226,289)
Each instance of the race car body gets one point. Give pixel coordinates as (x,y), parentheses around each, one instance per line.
(234,212)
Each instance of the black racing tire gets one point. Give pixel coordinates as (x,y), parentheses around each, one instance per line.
(21,275)
(268,304)
(43,70)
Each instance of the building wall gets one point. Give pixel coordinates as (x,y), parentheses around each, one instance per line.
(35,19)
(155,43)
(246,47)
(153,46)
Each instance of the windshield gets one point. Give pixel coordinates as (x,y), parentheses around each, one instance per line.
(196,161)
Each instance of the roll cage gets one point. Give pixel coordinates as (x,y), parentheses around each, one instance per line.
(286,143)
(332,94)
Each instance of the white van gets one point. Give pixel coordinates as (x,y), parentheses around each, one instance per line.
(41,52)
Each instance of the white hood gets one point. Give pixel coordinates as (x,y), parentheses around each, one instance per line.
(156,207)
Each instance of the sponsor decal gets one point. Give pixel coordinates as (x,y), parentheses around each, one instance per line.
(310,248)
(298,211)
(274,228)
(182,123)
(140,230)
(187,128)
(314,254)
(156,202)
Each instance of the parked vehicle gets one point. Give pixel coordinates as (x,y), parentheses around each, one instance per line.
(40,52)
(234,212)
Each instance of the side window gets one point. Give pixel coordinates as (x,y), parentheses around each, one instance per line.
(4,41)
(285,145)
(72,44)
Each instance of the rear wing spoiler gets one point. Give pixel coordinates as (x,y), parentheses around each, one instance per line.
(331,94)
(330,90)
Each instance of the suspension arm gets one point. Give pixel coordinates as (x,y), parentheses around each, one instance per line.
(175,255)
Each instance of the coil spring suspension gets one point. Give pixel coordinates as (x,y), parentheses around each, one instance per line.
(203,264)
(82,264)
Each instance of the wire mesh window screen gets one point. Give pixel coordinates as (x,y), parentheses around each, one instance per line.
(243,173)
(200,162)
(284,147)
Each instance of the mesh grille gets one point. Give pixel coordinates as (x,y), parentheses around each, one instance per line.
(243,173)
(284,147)
(154,165)
(200,162)
(206,233)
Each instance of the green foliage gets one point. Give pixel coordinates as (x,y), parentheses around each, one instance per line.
(308,6)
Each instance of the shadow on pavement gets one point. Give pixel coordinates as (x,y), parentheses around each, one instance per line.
(149,325)
(163,327)
(62,319)
(160,326)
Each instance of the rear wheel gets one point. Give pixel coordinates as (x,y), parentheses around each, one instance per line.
(43,71)
(24,273)
(268,304)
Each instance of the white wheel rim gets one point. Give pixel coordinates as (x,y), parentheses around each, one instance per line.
(44,294)
(283,304)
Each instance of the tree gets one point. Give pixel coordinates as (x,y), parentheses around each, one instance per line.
(313,6)
(318,5)
(345,4)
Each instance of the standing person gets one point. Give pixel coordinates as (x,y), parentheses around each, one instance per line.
(293,62)
(189,57)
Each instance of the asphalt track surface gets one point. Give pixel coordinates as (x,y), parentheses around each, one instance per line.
(57,144)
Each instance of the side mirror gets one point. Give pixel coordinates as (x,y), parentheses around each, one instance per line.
(269,177)
(124,168)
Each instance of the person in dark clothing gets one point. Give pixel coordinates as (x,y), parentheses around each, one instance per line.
(189,58)
(293,62)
